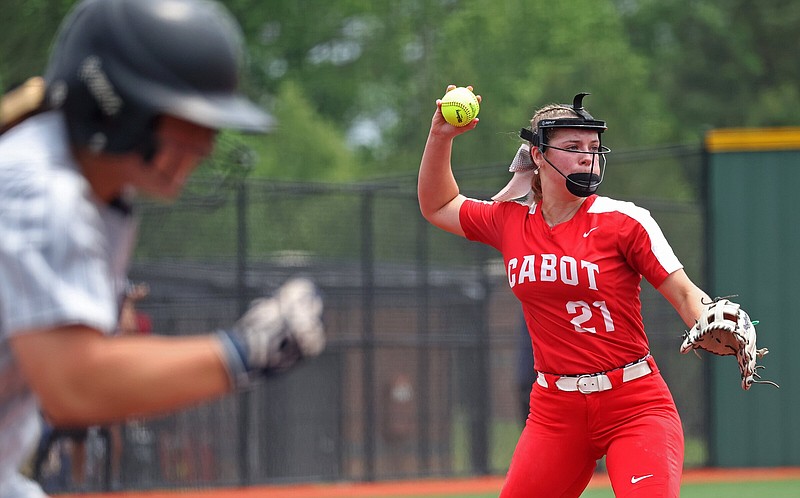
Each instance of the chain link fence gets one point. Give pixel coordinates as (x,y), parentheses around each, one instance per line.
(420,375)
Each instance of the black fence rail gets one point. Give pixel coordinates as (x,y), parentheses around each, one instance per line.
(420,377)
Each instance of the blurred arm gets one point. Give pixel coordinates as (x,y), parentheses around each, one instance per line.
(83,377)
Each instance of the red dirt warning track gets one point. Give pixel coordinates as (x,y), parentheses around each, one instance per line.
(428,487)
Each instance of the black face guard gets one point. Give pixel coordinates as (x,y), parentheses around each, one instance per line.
(579,184)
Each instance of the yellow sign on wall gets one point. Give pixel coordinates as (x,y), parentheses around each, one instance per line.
(753,139)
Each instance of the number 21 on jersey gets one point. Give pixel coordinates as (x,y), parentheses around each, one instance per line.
(583,313)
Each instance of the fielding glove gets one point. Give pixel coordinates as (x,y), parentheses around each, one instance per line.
(724,328)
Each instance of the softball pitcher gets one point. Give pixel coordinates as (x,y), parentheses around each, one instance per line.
(575,261)
(135,92)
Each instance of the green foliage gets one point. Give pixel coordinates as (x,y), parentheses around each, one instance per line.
(353,83)
(374,71)
(519,61)
(28,28)
(729,63)
(306,145)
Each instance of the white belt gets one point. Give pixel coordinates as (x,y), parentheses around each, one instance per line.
(593,383)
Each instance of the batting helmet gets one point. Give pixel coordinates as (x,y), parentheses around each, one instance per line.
(118,64)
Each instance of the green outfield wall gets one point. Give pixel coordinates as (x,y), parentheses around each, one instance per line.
(753,186)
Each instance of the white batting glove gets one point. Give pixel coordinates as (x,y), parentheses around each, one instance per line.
(275,333)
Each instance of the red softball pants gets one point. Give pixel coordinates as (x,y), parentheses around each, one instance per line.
(635,424)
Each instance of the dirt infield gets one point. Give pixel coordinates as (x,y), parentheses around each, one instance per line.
(431,486)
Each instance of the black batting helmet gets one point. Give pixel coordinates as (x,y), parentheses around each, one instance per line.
(118,64)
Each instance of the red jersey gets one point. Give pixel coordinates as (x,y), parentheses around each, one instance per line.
(579,282)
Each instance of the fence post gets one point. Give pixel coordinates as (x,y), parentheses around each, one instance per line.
(368,333)
(423,373)
(482,416)
(243,299)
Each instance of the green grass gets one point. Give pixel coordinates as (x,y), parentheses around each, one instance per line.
(753,489)
(766,489)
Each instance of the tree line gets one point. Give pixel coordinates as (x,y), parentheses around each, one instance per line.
(353,82)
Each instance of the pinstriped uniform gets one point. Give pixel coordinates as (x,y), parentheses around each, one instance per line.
(63,259)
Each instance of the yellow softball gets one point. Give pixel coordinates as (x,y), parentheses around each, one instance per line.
(460,106)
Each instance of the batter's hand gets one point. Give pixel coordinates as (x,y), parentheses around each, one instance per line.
(442,128)
(275,333)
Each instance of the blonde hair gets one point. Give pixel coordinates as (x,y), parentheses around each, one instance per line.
(550,111)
